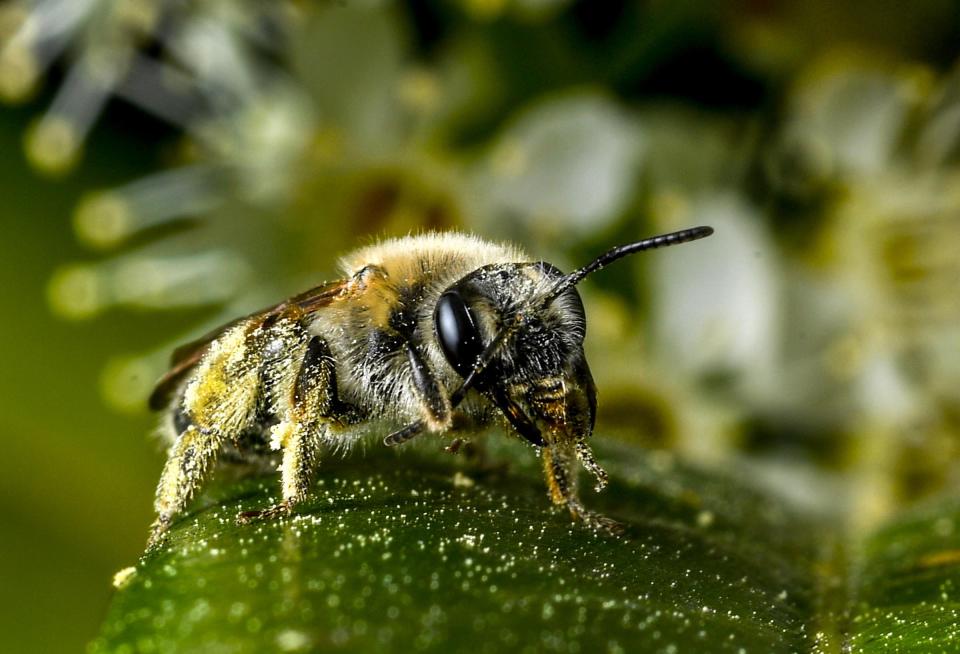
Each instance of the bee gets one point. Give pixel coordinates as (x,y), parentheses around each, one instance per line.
(435,333)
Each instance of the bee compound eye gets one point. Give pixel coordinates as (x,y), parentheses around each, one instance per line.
(457,332)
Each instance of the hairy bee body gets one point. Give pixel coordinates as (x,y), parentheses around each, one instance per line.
(308,379)
(435,331)
(396,286)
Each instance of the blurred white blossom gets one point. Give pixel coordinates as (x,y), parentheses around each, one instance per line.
(716,304)
(566,166)
(180,61)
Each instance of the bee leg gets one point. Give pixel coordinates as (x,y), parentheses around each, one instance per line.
(559,471)
(437,412)
(301,455)
(309,413)
(435,405)
(585,456)
(189,463)
(560,484)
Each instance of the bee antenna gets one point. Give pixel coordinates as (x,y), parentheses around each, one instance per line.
(664,240)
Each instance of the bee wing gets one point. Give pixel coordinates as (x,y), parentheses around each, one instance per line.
(187,356)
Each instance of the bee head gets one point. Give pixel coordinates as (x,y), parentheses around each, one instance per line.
(537,374)
(515,332)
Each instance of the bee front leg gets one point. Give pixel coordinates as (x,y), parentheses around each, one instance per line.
(585,456)
(434,402)
(435,409)
(188,465)
(559,468)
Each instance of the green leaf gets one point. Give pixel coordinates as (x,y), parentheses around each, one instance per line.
(401,552)
(907,583)
(420,550)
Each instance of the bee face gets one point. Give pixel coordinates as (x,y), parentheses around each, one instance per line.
(539,377)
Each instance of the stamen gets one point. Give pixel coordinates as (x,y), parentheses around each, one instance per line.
(140,16)
(212,54)
(82,291)
(57,19)
(107,218)
(178,281)
(32,41)
(53,144)
(160,90)
(19,73)
(77,292)
(125,381)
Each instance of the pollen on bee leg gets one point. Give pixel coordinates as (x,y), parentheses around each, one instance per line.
(585,455)
(189,461)
(438,426)
(555,489)
(122,578)
(280,434)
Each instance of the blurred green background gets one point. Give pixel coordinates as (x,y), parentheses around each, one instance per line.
(77,493)
(169,165)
